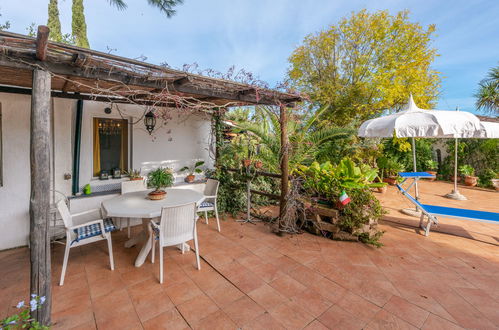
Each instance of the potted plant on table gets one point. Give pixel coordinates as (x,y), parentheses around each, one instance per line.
(134,175)
(431,167)
(194,169)
(158,179)
(469,175)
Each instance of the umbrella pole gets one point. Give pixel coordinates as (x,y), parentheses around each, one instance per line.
(415,169)
(455,193)
(455,166)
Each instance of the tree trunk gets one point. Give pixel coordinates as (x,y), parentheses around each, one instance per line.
(284,164)
(40,189)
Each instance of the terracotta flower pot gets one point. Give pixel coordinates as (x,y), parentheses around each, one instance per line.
(190,178)
(258,164)
(434,173)
(452,178)
(382,190)
(390,180)
(136,179)
(157,195)
(470,181)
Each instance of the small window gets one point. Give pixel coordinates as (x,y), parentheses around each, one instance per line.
(110,145)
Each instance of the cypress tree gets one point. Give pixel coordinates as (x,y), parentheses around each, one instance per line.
(54,23)
(78,25)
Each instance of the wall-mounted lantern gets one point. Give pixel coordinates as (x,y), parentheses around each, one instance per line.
(150,121)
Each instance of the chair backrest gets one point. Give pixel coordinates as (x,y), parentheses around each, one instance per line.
(177,224)
(131,186)
(211,187)
(65,214)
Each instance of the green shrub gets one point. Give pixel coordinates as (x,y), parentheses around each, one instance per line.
(329,181)
(485,179)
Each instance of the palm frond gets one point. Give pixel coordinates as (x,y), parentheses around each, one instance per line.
(488,92)
(166,6)
(120,4)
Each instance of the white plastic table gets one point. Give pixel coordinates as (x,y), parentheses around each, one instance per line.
(137,205)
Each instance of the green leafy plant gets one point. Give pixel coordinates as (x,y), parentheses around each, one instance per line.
(327,181)
(431,165)
(323,179)
(194,169)
(400,150)
(160,178)
(389,167)
(485,179)
(22,319)
(231,196)
(467,170)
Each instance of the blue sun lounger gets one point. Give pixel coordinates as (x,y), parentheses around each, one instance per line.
(432,211)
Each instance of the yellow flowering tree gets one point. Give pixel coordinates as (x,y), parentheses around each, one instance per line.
(367,63)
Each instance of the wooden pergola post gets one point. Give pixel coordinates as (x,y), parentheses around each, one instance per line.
(218,124)
(283,120)
(39,207)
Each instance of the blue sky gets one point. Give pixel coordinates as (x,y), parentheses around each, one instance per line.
(259,35)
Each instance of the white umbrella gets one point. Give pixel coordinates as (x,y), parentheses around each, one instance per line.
(415,122)
(488,130)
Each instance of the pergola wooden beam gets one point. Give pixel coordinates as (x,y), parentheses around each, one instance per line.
(42,39)
(126,79)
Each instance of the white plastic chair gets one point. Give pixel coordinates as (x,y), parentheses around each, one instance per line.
(132,186)
(177,226)
(210,200)
(86,233)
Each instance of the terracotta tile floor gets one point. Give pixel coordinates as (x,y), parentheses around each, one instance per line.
(253,279)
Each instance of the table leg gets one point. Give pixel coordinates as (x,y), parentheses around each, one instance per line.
(146,248)
(134,240)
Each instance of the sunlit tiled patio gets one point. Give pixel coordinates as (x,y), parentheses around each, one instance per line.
(253,279)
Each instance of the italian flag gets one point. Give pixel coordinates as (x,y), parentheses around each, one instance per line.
(344,199)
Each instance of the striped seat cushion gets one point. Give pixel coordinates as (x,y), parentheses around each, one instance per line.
(93,230)
(206,204)
(155,231)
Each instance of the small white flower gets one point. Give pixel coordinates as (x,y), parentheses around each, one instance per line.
(33,304)
(20,304)
(42,300)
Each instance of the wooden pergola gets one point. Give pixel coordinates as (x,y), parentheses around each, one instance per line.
(46,69)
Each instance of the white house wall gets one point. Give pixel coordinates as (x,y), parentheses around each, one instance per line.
(183,140)
(15,192)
